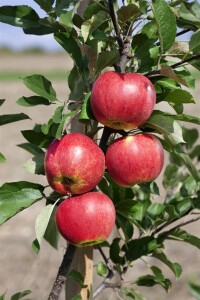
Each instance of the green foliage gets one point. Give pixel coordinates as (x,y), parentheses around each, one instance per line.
(146,31)
(6,119)
(2,158)
(16,196)
(17,296)
(194,290)
(41,225)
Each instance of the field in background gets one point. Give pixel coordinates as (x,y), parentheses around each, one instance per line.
(21,268)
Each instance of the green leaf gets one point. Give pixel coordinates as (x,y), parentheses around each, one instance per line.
(154,210)
(20,295)
(55,126)
(70,45)
(194,43)
(86,111)
(41,86)
(16,196)
(190,136)
(129,12)
(31,148)
(78,297)
(166,125)
(180,75)
(139,247)
(35,165)
(32,101)
(145,51)
(150,30)
(184,236)
(150,187)
(188,163)
(37,138)
(166,23)
(107,58)
(45,4)
(85,29)
(126,226)
(189,187)
(101,269)
(189,14)
(6,119)
(132,209)
(171,176)
(106,187)
(51,234)
(194,290)
(89,26)
(20,16)
(175,267)
(150,280)
(42,223)
(2,101)
(40,30)
(178,96)
(186,118)
(115,250)
(2,158)
(132,294)
(77,276)
(66,19)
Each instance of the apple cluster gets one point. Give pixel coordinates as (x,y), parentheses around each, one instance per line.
(75,164)
(125,102)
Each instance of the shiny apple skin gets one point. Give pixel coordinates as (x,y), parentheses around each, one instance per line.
(122,101)
(74,164)
(135,159)
(86,219)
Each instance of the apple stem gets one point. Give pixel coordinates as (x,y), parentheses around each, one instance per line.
(107,131)
(62,272)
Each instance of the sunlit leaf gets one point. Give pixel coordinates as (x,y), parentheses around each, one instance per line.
(16,196)
(41,86)
(6,119)
(166,23)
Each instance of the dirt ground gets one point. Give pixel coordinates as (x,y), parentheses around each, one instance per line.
(21,268)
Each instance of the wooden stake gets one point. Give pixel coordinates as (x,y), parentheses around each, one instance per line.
(83,263)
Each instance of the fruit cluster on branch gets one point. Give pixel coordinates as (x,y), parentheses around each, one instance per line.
(75,164)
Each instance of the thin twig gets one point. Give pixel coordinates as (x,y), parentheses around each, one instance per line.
(105,284)
(183,32)
(166,224)
(115,24)
(174,66)
(62,272)
(166,233)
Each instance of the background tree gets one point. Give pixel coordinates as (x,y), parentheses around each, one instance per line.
(132,36)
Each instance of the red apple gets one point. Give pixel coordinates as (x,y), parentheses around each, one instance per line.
(74,164)
(86,219)
(135,159)
(122,101)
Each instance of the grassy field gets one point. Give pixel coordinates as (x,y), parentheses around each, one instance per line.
(16,75)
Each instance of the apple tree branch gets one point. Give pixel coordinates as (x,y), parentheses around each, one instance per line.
(62,272)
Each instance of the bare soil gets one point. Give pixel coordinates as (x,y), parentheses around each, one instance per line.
(21,268)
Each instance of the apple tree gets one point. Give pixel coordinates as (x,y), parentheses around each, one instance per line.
(147,38)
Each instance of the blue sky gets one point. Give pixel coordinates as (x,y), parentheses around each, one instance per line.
(15,38)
